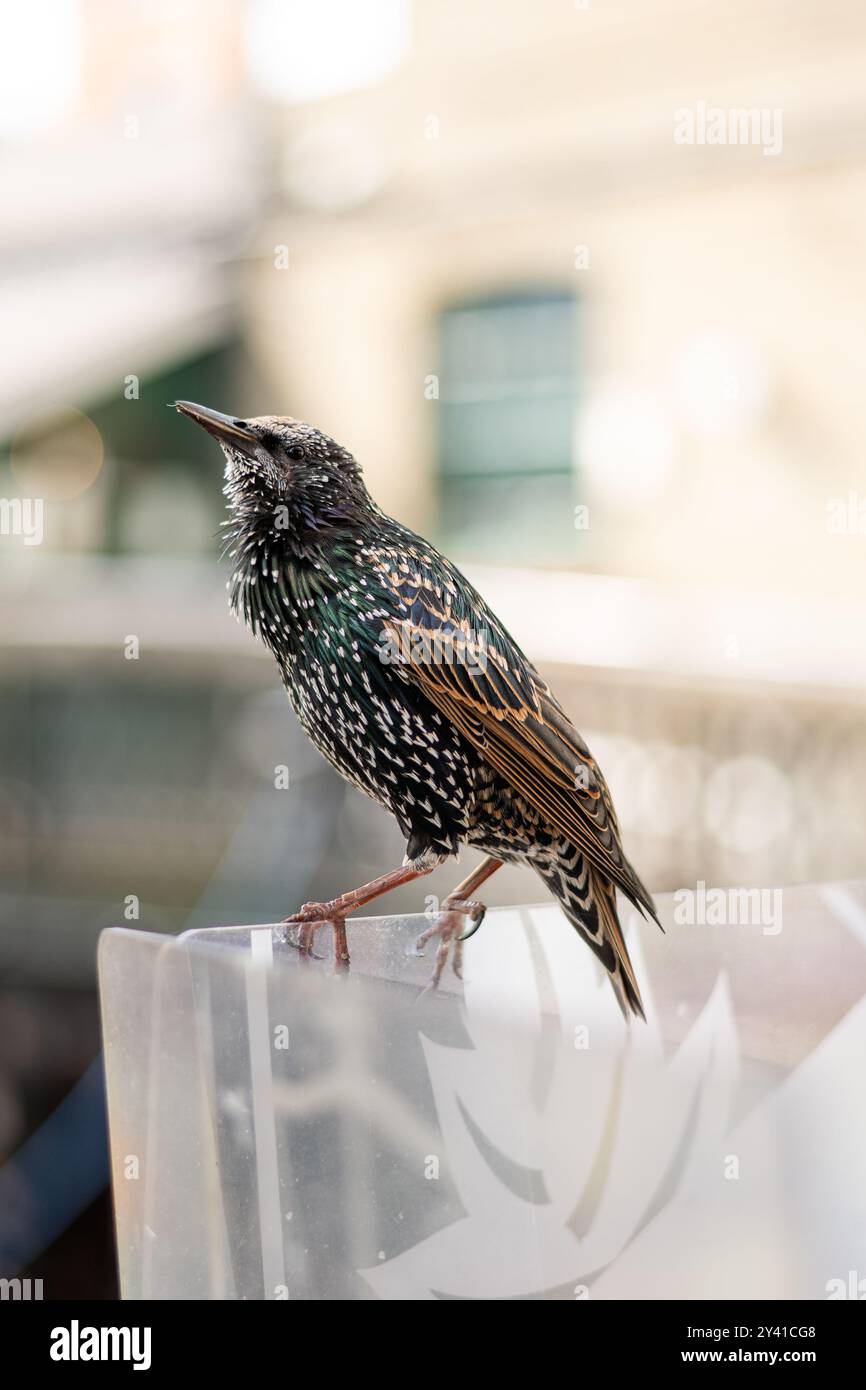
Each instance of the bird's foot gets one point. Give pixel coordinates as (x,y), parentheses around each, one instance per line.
(314,912)
(302,934)
(448,926)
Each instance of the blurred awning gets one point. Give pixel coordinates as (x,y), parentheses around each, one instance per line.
(701,632)
(75,332)
(117,253)
(560,618)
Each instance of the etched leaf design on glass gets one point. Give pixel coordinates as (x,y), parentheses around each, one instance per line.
(564,1132)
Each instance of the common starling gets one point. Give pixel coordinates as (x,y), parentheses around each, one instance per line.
(414,691)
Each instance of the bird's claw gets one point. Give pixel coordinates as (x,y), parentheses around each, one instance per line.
(302,928)
(303,937)
(445,927)
(476,912)
(306,921)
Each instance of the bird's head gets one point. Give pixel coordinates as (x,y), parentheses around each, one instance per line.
(282,476)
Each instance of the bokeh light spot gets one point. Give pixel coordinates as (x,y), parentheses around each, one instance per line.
(58,455)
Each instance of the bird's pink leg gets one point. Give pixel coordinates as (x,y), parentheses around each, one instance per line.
(309,917)
(358,897)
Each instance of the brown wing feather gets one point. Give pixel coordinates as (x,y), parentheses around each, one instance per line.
(500,704)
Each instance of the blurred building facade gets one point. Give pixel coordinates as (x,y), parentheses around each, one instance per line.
(558,339)
(716,351)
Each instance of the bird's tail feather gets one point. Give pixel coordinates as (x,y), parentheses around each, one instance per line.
(588,900)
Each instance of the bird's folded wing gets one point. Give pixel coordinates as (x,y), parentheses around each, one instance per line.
(453,648)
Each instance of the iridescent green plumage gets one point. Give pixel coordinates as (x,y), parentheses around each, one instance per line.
(408,683)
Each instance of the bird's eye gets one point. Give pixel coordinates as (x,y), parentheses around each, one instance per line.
(295,452)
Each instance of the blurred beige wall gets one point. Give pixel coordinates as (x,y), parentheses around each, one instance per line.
(552,127)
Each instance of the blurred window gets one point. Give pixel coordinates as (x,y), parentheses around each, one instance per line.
(508,397)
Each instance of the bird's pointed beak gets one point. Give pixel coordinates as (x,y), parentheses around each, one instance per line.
(224,428)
